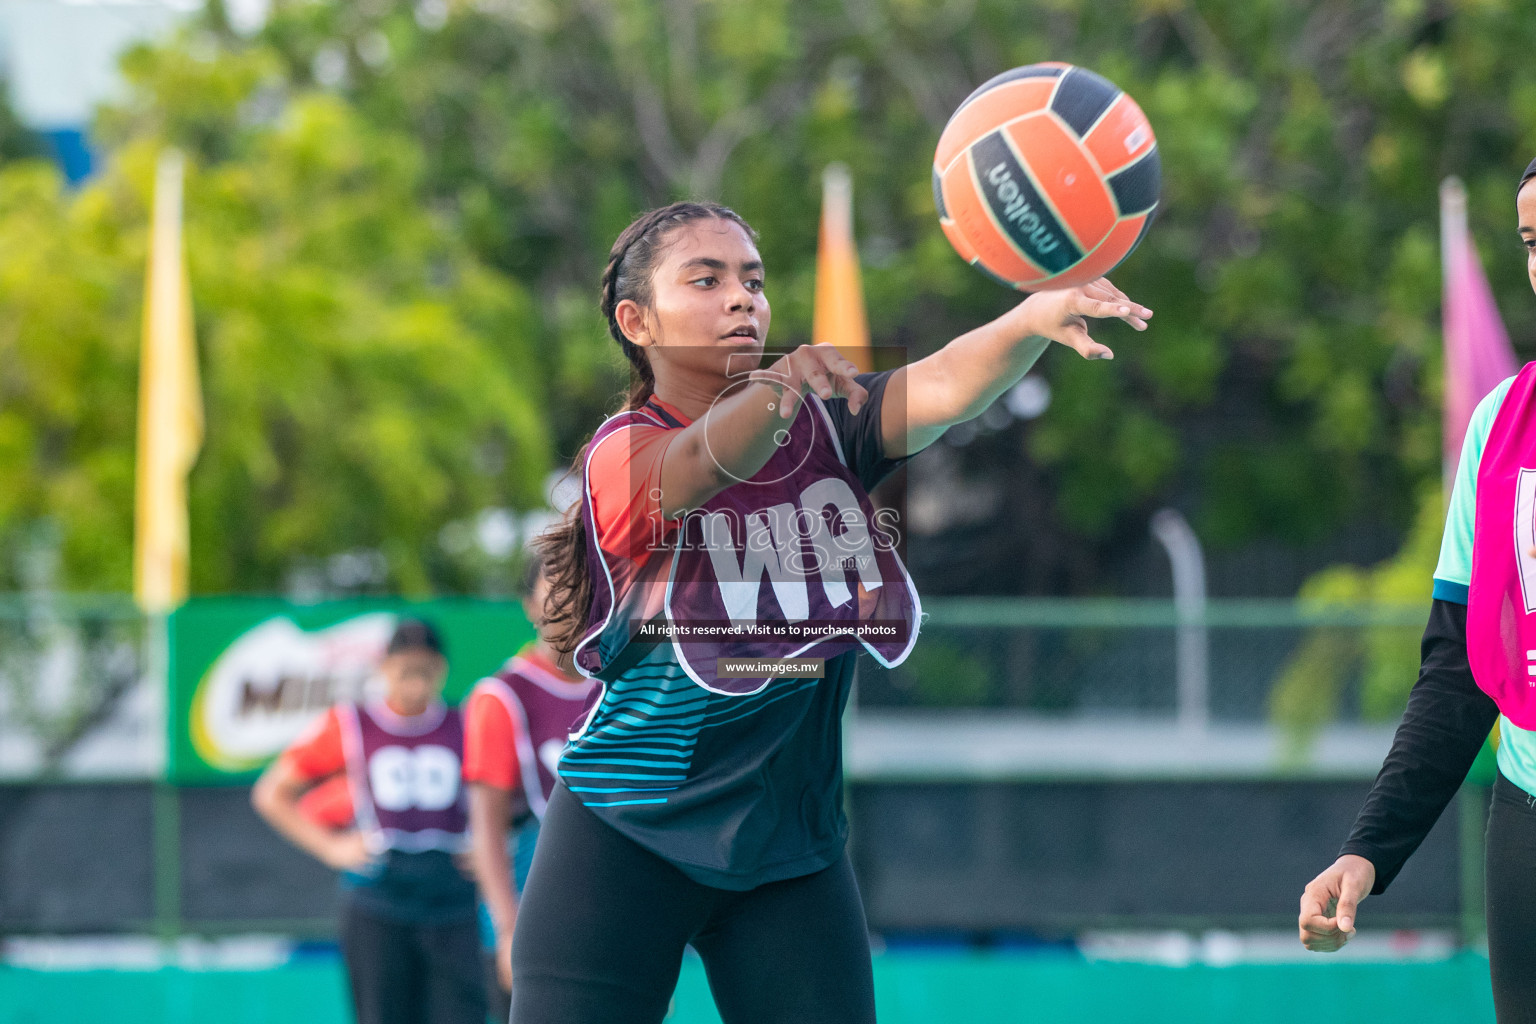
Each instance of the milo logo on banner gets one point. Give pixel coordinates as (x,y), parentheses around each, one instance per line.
(248,675)
(268,685)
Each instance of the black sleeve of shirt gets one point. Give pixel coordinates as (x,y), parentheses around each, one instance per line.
(1447,720)
(860,435)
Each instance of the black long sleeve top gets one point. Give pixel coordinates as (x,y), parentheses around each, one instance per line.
(1447,720)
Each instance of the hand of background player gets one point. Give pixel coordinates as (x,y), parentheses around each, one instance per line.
(819,368)
(347,851)
(504,958)
(1330,901)
(1061,315)
(465,862)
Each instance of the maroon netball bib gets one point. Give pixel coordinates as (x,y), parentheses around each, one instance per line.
(792,563)
(544,706)
(625,593)
(406,774)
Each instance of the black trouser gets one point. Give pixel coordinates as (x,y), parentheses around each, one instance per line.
(403,972)
(602,926)
(1511,900)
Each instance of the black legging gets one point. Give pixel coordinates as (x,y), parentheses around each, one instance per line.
(603,922)
(1511,900)
(407,973)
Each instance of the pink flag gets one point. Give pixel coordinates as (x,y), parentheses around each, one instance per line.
(1477,351)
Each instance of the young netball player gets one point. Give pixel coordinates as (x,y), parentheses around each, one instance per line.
(408,931)
(697,803)
(515,725)
(1478,657)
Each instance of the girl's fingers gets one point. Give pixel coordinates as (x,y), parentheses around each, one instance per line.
(1317,925)
(789,400)
(1104,288)
(789,395)
(808,376)
(857,396)
(829,372)
(1110,286)
(794,385)
(848,385)
(1119,308)
(823,370)
(1137,309)
(1077,337)
(841,368)
(1102,309)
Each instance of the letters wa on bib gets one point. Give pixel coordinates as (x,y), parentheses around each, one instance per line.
(791,563)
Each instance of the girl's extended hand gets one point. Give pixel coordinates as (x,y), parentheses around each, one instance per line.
(1061,315)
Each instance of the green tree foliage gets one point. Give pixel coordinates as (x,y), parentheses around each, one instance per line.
(17,142)
(1384,659)
(1289,385)
(1291,382)
(66,373)
(365,377)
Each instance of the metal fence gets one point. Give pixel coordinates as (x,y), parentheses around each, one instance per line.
(68,666)
(978,858)
(1067,658)
(1034,767)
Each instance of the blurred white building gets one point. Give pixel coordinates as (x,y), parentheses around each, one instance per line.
(59,61)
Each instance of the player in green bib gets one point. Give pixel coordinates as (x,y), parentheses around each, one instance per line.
(1478,667)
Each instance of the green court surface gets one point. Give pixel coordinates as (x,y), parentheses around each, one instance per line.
(911,987)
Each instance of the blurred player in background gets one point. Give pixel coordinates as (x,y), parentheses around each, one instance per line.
(516,723)
(1478,668)
(408,931)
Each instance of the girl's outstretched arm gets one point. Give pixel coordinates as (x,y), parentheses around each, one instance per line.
(962,379)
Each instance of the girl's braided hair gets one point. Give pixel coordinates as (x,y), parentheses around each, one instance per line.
(631,266)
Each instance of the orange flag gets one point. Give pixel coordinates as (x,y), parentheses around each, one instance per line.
(839,313)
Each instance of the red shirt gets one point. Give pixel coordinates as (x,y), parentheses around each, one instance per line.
(317,754)
(317,757)
(624,476)
(329,803)
(490,736)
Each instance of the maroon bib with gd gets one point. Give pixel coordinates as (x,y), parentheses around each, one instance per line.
(544,707)
(406,777)
(791,563)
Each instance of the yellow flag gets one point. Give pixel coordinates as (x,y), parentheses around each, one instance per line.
(839,314)
(170,405)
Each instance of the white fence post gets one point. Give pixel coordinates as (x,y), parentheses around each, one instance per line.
(1193,662)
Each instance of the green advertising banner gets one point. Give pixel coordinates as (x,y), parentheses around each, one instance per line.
(247,675)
